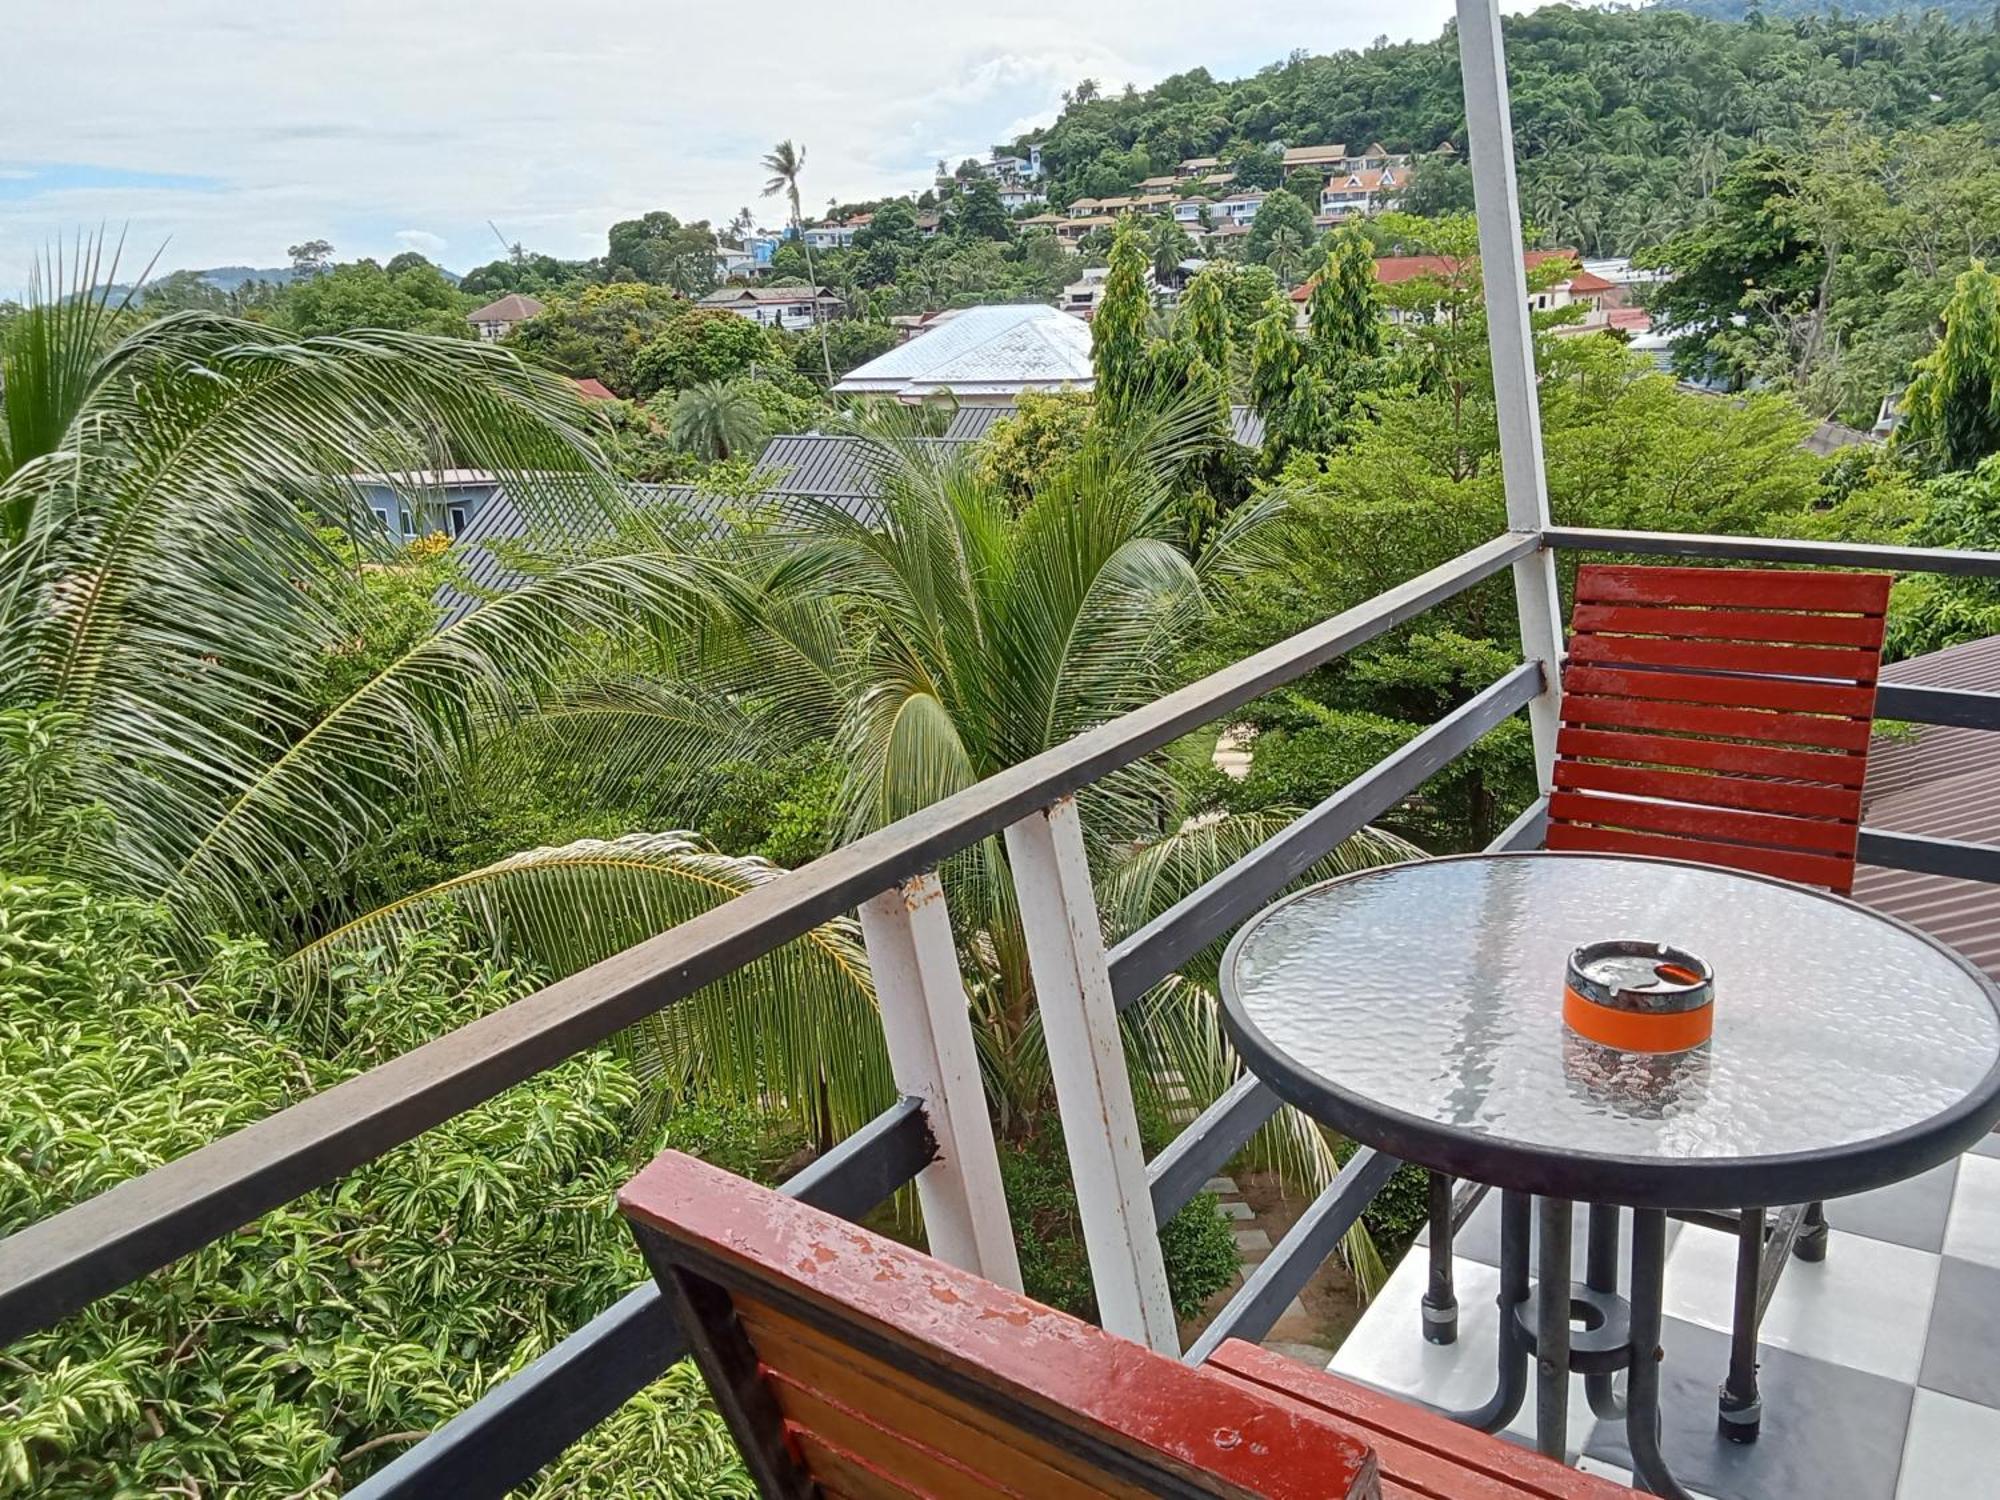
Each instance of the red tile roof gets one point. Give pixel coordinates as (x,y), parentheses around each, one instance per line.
(594,390)
(1589,282)
(1392,269)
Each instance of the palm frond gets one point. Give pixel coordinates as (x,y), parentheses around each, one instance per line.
(795,1030)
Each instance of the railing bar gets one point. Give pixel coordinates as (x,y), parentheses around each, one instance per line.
(503,1439)
(1777,549)
(1198,1152)
(1285,1272)
(1149,955)
(1928,856)
(1525,832)
(1958,707)
(54,1267)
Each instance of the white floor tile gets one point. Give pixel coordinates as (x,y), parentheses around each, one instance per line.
(1867,1306)
(1973,1230)
(1950,1448)
(1387,1350)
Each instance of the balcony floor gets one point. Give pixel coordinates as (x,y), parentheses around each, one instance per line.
(1880,1367)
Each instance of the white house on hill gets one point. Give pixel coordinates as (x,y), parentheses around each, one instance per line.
(497,318)
(982,356)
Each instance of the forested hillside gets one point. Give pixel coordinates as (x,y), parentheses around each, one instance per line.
(1625,120)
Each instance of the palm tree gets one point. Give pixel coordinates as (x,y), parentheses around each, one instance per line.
(785,162)
(170,595)
(1286,256)
(716,419)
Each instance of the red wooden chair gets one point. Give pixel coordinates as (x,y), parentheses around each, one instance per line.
(850,1366)
(1720,715)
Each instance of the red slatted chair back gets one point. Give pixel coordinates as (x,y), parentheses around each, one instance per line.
(850,1366)
(1720,715)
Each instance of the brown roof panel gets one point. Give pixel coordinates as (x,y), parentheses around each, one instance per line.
(1943,782)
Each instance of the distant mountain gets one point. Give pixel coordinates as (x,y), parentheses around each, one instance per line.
(1855,10)
(229,278)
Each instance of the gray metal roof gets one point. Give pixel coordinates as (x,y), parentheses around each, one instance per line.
(970,422)
(830,468)
(1942,782)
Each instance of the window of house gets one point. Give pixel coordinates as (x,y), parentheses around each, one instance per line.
(381,515)
(409,526)
(455,518)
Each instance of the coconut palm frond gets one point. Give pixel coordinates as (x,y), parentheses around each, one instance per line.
(761,1034)
(289,818)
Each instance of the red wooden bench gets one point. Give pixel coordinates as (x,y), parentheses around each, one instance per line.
(850,1366)
(1720,715)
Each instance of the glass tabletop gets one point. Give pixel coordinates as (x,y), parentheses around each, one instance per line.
(1419,1007)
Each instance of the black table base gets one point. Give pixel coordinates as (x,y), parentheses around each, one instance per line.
(1539,1333)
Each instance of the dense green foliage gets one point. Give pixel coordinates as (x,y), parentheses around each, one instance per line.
(1825,268)
(1624,119)
(314,1347)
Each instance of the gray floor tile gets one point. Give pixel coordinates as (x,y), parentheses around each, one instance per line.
(1909,1213)
(1962,1357)
(1988,1147)
(1829,1432)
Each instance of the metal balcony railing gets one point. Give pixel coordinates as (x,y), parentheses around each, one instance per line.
(938,1136)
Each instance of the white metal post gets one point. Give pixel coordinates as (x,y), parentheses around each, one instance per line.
(1511,338)
(1093,1089)
(928,1028)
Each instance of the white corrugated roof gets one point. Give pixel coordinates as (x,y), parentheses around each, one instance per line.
(983,350)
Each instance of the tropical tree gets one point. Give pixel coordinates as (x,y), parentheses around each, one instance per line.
(785,162)
(1286,257)
(1952,408)
(1118,329)
(1344,311)
(716,419)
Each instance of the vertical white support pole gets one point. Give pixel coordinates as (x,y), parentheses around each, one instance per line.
(1093,1089)
(1511,338)
(928,1028)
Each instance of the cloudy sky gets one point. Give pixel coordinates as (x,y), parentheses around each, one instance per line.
(227,131)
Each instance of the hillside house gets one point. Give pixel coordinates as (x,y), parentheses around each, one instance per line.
(415,503)
(1197,166)
(788,307)
(1005,167)
(1072,230)
(1365,190)
(830,236)
(497,318)
(1188,210)
(1237,208)
(1016,195)
(1327,158)
(1582,288)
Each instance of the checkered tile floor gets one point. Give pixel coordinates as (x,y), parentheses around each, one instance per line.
(1880,1368)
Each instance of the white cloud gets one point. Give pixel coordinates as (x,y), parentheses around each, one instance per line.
(353,119)
(426,244)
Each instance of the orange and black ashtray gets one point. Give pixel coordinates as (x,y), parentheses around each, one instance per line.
(1639,997)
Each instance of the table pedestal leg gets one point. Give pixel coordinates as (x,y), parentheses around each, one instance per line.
(1642,1413)
(1601,1275)
(1512,1387)
(1440,1306)
(1740,1411)
(1552,1332)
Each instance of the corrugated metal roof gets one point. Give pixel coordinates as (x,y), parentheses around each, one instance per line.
(1003,348)
(970,422)
(1942,782)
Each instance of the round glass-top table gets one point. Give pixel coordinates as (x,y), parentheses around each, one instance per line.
(1419,1009)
